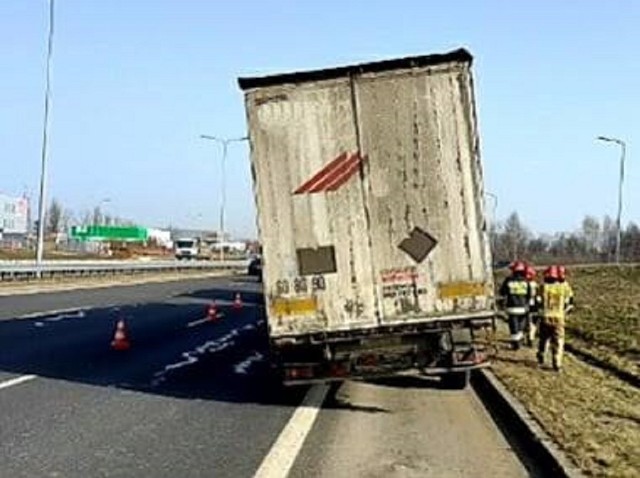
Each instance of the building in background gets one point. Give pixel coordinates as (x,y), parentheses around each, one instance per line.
(14,217)
(161,237)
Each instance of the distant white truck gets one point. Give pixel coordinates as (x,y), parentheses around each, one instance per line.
(187,248)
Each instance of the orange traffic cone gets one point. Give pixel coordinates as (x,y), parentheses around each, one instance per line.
(120,340)
(237,302)
(212,312)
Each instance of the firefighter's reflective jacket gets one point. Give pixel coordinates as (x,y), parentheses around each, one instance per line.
(517,295)
(557,300)
(534,299)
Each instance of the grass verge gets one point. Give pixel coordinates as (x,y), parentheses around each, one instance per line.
(592,414)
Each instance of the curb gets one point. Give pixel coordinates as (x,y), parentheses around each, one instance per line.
(535,441)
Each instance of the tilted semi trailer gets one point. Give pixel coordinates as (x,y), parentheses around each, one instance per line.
(369,191)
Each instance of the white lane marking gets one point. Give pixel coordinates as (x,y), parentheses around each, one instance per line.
(243,367)
(283,453)
(194,323)
(198,322)
(16,381)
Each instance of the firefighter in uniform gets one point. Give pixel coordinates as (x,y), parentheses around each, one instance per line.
(534,301)
(556,299)
(516,293)
(562,277)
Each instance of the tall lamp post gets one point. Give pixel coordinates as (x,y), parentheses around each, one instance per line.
(492,233)
(623,152)
(42,201)
(225,146)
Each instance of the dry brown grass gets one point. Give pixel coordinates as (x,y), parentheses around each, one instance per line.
(606,322)
(593,415)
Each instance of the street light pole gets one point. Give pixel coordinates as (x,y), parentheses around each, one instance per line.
(495,205)
(225,145)
(45,144)
(623,153)
(492,231)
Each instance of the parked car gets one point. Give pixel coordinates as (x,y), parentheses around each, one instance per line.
(255,267)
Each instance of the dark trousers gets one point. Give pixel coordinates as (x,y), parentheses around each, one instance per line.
(516,327)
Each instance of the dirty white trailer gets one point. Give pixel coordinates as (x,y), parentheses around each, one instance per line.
(369,191)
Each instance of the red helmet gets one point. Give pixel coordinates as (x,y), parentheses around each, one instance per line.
(551,273)
(562,272)
(518,266)
(530,273)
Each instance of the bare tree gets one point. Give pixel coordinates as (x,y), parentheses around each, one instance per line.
(516,236)
(608,238)
(54,217)
(591,234)
(86,219)
(68,219)
(97,217)
(630,243)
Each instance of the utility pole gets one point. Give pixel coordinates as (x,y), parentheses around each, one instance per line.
(42,201)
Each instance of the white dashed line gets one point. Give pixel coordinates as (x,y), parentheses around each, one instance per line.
(16,381)
(203,321)
(198,322)
(282,455)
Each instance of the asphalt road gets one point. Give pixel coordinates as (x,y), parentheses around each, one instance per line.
(194,398)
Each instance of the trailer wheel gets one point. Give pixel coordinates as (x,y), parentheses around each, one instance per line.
(455,380)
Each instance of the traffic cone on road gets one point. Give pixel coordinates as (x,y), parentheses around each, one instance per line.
(212,312)
(237,302)
(120,339)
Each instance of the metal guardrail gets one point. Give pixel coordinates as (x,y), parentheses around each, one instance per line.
(27,270)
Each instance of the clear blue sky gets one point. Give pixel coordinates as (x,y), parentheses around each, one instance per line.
(136,82)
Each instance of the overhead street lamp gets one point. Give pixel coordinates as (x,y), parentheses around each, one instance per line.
(225,144)
(42,200)
(623,152)
(495,204)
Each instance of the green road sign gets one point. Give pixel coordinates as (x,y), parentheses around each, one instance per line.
(110,233)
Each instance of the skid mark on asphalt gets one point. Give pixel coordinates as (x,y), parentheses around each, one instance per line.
(191,357)
(80,314)
(52,313)
(243,367)
(204,320)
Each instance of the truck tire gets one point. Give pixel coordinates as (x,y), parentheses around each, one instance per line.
(455,380)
